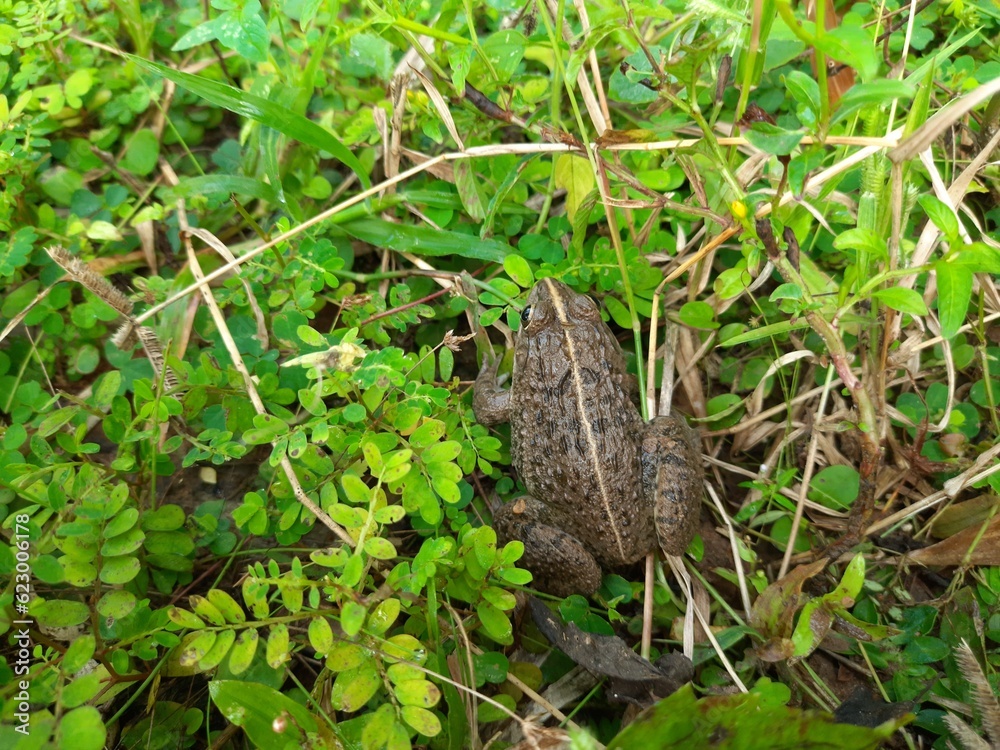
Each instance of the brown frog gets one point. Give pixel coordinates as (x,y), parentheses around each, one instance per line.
(603,484)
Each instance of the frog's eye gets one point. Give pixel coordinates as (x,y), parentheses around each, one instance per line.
(526,314)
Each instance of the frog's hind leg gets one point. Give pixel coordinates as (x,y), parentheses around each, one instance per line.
(558,561)
(672,476)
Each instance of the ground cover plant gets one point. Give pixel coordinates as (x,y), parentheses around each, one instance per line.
(252,257)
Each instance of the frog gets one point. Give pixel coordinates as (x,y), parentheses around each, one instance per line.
(604,486)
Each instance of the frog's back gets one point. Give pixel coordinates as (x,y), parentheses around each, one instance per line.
(575,438)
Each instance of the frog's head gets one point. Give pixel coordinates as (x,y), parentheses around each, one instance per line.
(552,304)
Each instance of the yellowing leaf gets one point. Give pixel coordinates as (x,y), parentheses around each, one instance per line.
(574,174)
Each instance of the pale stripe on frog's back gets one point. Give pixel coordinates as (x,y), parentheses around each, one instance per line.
(588,433)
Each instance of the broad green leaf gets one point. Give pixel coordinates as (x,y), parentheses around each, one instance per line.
(78,653)
(141,153)
(852,45)
(256,707)
(835,486)
(81,729)
(942,216)
(404,647)
(954,287)
(260,110)
(354,687)
(902,299)
(698,314)
(383,616)
(495,622)
(803,89)
(423,240)
(575,175)
(881,92)
(773,139)
(518,270)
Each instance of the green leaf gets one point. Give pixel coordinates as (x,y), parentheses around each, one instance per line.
(227,184)
(141,153)
(344,656)
(418,692)
(320,635)
(954,283)
(774,329)
(422,720)
(495,622)
(242,653)
(804,89)
(260,110)
(698,314)
(352,617)
(118,570)
(902,299)
(379,548)
(195,645)
(81,729)
(773,139)
(184,618)
(468,190)
(60,613)
(118,603)
(255,707)
(575,175)
(878,92)
(504,50)
(942,216)
(353,688)
(78,653)
(423,240)
(220,647)
(225,604)
(835,487)
(683,720)
(852,45)
(519,270)
(277,652)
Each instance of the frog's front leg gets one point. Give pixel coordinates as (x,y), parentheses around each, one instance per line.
(558,561)
(490,402)
(671,479)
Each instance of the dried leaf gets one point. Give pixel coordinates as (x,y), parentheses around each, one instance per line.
(953,550)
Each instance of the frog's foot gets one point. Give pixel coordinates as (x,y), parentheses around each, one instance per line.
(672,476)
(490,402)
(559,562)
